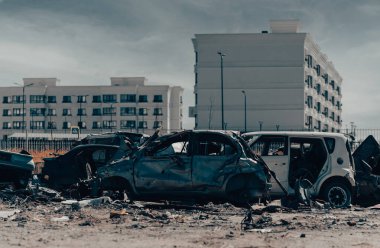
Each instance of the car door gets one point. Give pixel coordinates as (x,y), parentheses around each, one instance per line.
(275,153)
(165,167)
(214,153)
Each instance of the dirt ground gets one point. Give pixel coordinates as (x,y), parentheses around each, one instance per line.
(54,224)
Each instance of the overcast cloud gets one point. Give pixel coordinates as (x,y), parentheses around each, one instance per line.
(89,41)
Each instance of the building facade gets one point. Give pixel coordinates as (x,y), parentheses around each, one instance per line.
(127,104)
(289,84)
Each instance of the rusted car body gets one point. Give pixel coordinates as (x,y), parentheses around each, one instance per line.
(15,169)
(192,165)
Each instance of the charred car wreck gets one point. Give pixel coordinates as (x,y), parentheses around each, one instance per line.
(202,166)
(15,169)
(367,165)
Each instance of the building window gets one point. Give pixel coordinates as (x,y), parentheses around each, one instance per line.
(52,112)
(326,112)
(52,125)
(17,99)
(81,112)
(37,111)
(332,117)
(82,124)
(318,107)
(157,98)
(128,98)
(109,111)
(97,99)
(96,111)
(180,100)
(143,111)
(51,99)
(66,125)
(326,77)
(37,125)
(37,98)
(109,124)
(82,99)
(338,90)
(7,112)
(109,98)
(157,124)
(7,99)
(66,99)
(309,81)
(310,101)
(333,100)
(18,125)
(127,111)
(7,125)
(157,111)
(66,112)
(127,124)
(309,60)
(318,70)
(318,88)
(326,95)
(18,112)
(143,98)
(143,124)
(96,125)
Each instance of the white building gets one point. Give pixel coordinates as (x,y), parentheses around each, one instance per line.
(127,104)
(289,83)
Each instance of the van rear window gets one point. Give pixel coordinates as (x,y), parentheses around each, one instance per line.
(330,143)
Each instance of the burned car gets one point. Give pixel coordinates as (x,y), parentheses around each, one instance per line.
(78,164)
(190,165)
(15,169)
(367,166)
(324,159)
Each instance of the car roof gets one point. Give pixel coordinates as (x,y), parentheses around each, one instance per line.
(297,133)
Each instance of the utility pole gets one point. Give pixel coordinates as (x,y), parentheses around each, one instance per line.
(222,86)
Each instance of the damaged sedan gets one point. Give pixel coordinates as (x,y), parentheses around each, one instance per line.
(191,165)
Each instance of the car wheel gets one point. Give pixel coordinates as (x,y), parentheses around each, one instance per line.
(337,194)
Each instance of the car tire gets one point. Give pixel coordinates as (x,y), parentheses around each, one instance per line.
(337,194)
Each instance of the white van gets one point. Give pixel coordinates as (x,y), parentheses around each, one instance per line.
(322,158)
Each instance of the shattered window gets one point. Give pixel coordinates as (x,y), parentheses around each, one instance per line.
(176,145)
(215,145)
(99,156)
(270,146)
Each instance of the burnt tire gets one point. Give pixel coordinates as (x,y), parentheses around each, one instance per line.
(337,194)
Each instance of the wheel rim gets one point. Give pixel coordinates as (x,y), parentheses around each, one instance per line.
(337,196)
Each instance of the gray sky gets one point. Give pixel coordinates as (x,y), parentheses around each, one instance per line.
(89,41)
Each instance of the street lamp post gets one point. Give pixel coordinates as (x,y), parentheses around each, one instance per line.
(261,125)
(221,86)
(245,111)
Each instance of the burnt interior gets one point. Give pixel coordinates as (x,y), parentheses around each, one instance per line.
(307,158)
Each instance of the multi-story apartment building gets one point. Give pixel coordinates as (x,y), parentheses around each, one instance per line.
(289,84)
(127,104)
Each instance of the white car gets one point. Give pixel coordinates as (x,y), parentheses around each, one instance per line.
(322,158)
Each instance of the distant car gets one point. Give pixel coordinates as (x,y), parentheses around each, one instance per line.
(15,169)
(322,158)
(190,165)
(78,164)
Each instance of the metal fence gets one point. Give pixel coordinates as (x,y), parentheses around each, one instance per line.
(36,145)
(65,145)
